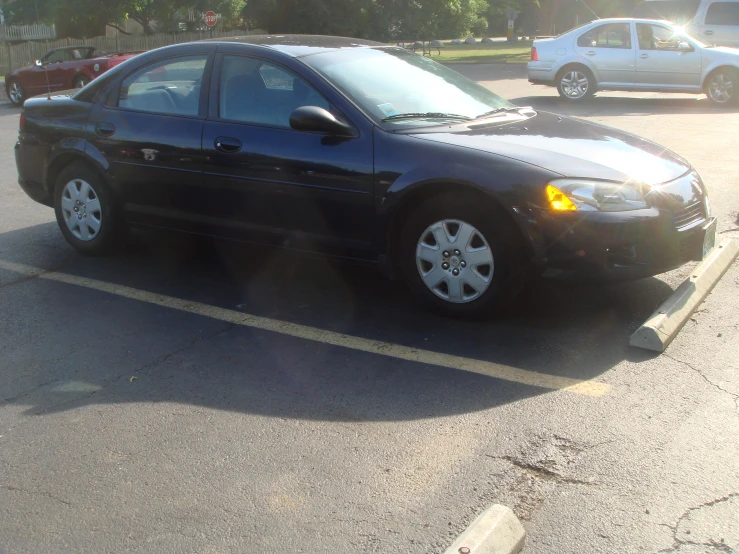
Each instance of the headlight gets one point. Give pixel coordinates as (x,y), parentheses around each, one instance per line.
(587,195)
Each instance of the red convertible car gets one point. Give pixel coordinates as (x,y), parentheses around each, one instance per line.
(67,68)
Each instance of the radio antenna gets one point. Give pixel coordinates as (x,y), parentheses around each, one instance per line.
(45,67)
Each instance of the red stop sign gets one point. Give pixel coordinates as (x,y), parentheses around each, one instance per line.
(211,19)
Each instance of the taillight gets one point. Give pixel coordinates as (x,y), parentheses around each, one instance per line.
(534,55)
(23,121)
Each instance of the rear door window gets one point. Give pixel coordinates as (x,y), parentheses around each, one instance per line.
(723,13)
(612,35)
(170,87)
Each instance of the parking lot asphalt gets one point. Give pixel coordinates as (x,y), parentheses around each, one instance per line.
(198,396)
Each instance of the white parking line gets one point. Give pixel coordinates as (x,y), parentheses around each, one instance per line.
(490,369)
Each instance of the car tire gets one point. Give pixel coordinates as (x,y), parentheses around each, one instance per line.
(16,92)
(575,82)
(465,287)
(722,87)
(81,81)
(86,211)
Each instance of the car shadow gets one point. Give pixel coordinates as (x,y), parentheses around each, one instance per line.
(87,347)
(622,106)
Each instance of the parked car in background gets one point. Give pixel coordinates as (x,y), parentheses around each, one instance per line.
(634,55)
(66,68)
(679,12)
(361,150)
(713,22)
(716,22)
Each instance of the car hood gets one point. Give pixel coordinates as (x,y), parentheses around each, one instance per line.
(570,147)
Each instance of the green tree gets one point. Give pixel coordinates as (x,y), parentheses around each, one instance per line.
(89,17)
(378,19)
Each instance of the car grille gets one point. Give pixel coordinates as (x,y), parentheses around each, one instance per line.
(690,215)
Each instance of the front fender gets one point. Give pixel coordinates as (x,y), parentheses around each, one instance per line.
(430,164)
(715,65)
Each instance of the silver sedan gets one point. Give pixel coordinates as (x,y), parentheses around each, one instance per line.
(634,55)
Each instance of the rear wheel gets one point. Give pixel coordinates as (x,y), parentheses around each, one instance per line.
(86,212)
(458,258)
(575,83)
(722,87)
(16,93)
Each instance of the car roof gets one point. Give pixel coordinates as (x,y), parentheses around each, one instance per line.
(629,19)
(301,45)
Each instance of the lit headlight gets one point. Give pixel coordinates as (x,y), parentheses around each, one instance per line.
(587,195)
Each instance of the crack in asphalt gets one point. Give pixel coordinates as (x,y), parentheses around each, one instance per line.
(541,472)
(678,542)
(706,379)
(37,493)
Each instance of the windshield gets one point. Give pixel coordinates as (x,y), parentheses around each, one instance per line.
(391,83)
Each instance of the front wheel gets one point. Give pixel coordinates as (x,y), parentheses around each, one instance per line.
(81,82)
(722,87)
(575,83)
(458,258)
(16,93)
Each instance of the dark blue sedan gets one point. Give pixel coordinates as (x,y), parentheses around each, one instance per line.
(365,151)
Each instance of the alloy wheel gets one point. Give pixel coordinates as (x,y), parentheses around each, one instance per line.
(16,93)
(574,84)
(454,261)
(81,210)
(721,88)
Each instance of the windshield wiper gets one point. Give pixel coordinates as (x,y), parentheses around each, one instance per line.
(502,109)
(430,115)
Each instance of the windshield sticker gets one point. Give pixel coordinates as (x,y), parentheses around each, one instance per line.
(388,109)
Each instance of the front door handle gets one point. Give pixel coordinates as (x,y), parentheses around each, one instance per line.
(644,56)
(104,129)
(227,145)
(709,33)
(591,53)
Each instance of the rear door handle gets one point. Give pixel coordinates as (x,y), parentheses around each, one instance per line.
(644,56)
(227,145)
(709,33)
(591,53)
(105,129)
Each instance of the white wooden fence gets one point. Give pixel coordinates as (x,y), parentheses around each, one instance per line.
(27,32)
(13,56)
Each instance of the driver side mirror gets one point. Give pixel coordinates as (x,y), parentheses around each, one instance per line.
(684,46)
(39,63)
(318,120)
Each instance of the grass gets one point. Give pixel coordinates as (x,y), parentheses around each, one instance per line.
(496,52)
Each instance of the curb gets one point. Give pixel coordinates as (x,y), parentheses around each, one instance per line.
(495,531)
(664,324)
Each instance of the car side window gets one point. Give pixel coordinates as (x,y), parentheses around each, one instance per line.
(656,37)
(258,92)
(723,13)
(170,87)
(612,35)
(59,56)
